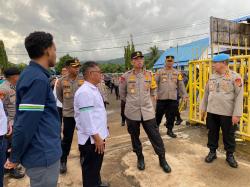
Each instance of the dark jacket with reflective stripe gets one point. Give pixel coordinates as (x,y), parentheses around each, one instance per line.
(36,136)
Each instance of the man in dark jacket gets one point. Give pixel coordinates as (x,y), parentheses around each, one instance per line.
(36,140)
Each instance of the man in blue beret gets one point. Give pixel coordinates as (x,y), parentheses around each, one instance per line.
(223,102)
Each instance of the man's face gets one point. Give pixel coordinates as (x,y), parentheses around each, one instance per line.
(64,72)
(219,66)
(14,79)
(138,62)
(1,95)
(73,70)
(169,63)
(51,52)
(96,75)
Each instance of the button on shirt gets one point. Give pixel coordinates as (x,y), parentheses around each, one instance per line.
(90,113)
(3,120)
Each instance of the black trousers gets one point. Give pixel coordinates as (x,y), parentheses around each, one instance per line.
(91,163)
(68,133)
(111,87)
(169,108)
(123,103)
(214,123)
(152,132)
(59,109)
(116,92)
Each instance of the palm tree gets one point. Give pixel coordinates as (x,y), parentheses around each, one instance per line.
(154,55)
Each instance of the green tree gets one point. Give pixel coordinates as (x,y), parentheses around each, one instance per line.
(128,50)
(3,57)
(112,68)
(61,63)
(152,58)
(20,66)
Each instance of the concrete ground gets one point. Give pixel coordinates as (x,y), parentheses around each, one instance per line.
(185,155)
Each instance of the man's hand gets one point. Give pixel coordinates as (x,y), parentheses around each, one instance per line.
(99,144)
(235,119)
(203,114)
(154,97)
(185,99)
(10,128)
(9,165)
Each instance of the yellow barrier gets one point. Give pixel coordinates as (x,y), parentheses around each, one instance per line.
(199,71)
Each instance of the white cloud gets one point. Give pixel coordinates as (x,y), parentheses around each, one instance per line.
(92,24)
(45,15)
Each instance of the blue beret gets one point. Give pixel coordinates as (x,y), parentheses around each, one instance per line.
(221,57)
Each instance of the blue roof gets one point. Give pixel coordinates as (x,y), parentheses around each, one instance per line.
(183,53)
(244,18)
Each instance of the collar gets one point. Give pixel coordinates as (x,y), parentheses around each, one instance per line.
(90,85)
(36,65)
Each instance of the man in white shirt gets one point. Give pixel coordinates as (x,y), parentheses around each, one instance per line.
(3,145)
(91,123)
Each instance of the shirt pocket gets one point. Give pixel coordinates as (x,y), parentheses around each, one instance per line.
(12,98)
(164,78)
(174,78)
(212,86)
(227,87)
(147,85)
(132,87)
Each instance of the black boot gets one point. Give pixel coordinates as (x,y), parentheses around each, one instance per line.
(178,121)
(164,165)
(210,157)
(231,160)
(63,167)
(16,174)
(171,134)
(140,161)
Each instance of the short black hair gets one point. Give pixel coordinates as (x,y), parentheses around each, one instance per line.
(37,42)
(87,65)
(11,71)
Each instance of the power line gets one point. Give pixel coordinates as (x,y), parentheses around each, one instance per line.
(141,34)
(119,47)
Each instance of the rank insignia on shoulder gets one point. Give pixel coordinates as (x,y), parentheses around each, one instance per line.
(80,82)
(122,79)
(180,78)
(238,82)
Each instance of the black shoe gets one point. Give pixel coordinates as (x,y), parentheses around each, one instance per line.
(104,184)
(210,157)
(140,161)
(171,134)
(63,167)
(231,160)
(178,122)
(164,165)
(16,174)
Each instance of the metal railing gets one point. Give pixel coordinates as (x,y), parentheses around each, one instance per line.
(199,71)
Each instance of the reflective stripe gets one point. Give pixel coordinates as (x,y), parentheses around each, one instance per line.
(84,109)
(31,107)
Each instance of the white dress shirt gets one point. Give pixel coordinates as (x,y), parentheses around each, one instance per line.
(90,113)
(3,120)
